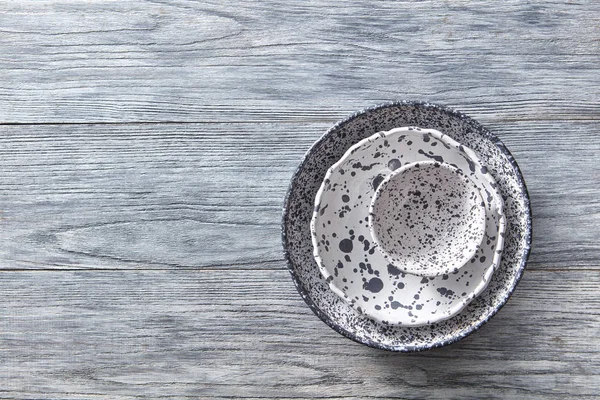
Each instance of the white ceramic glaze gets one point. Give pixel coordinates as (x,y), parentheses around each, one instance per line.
(427,218)
(354,267)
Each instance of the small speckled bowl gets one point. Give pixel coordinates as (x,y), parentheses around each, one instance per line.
(298,209)
(427,218)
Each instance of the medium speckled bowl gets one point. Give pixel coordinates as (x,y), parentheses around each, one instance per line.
(351,262)
(299,205)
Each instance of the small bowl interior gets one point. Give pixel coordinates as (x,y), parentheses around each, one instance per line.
(427,218)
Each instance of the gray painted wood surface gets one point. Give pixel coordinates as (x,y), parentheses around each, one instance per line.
(145,148)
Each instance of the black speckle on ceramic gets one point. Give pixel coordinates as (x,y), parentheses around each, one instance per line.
(299,205)
(428,218)
(403,299)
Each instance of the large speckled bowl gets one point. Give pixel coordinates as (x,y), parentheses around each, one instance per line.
(298,210)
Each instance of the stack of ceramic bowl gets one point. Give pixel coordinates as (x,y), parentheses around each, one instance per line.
(407,226)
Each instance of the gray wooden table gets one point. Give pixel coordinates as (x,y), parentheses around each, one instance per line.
(145,149)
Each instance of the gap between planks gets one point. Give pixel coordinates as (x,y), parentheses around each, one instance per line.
(269,121)
(233,270)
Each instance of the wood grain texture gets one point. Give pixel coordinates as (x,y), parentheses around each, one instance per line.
(209,195)
(145,149)
(93,332)
(132,60)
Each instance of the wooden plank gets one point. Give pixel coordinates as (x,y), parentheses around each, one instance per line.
(234,333)
(209,195)
(131,60)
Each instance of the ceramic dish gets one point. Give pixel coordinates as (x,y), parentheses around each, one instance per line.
(299,205)
(427,218)
(353,266)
